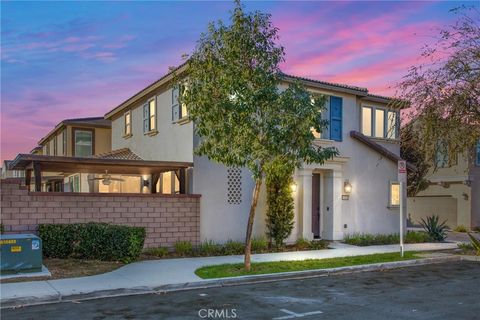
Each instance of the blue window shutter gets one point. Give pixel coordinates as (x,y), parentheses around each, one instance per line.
(336,104)
(478,154)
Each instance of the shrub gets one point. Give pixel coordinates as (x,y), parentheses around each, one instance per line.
(416,237)
(280,215)
(96,241)
(460,228)
(209,248)
(436,231)
(233,247)
(475,243)
(259,244)
(159,252)
(358,239)
(302,244)
(318,244)
(183,248)
(57,239)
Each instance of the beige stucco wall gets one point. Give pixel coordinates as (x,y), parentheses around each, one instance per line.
(173,142)
(366,211)
(458,210)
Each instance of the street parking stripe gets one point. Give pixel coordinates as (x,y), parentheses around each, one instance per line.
(293,315)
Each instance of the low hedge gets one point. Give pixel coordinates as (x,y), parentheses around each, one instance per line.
(96,241)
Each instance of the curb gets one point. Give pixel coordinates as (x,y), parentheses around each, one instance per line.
(226,282)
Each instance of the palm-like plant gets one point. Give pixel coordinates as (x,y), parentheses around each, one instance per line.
(435,230)
(475,243)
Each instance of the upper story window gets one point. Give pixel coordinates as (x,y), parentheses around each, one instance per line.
(64,141)
(477,155)
(83,142)
(379,123)
(128,124)
(149,116)
(179,111)
(55,146)
(442,156)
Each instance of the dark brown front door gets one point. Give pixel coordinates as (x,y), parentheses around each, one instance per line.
(316,205)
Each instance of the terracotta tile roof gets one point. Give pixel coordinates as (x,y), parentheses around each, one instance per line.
(119,154)
(332,84)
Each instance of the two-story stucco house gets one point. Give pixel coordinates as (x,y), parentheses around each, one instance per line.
(453,192)
(354,192)
(80,137)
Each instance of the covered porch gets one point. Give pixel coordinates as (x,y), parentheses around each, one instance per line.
(101,174)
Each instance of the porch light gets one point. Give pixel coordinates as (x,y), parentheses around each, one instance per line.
(293,187)
(347,187)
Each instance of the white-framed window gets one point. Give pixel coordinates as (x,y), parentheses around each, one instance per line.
(443,158)
(179,111)
(74,183)
(367,116)
(379,122)
(55,146)
(83,143)
(150,116)
(394,194)
(64,141)
(127,131)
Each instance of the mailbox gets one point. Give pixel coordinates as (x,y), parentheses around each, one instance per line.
(20,253)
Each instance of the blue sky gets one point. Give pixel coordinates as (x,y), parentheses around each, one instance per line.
(76,59)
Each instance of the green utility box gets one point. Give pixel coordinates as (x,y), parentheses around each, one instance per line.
(20,253)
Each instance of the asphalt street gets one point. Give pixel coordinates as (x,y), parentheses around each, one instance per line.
(441,291)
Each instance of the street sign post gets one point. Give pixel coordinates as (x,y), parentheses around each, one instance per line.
(402,179)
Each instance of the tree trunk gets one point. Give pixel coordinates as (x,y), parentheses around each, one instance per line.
(251,216)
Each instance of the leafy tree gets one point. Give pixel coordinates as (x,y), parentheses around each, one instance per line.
(280,215)
(408,151)
(242,118)
(444,90)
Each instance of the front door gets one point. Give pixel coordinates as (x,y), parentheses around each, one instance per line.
(316,205)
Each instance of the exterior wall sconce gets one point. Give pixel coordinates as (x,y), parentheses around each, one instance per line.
(293,187)
(347,187)
(145,183)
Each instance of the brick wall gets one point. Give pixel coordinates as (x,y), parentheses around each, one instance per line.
(166,218)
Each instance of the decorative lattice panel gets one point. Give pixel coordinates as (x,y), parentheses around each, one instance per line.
(234,186)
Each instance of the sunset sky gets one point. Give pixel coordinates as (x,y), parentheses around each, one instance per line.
(69,59)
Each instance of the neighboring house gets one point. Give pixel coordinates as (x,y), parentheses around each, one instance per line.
(453,192)
(354,192)
(80,137)
(7,173)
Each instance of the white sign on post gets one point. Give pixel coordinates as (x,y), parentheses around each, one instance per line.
(402,171)
(402,179)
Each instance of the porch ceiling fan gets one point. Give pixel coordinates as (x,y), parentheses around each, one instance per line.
(106,178)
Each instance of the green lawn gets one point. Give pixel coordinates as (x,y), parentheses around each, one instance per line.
(235,270)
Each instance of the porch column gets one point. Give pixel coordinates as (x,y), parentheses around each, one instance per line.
(155,177)
(183,180)
(306,178)
(337,233)
(28,178)
(37,171)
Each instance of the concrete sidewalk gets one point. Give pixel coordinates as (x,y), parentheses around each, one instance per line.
(146,276)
